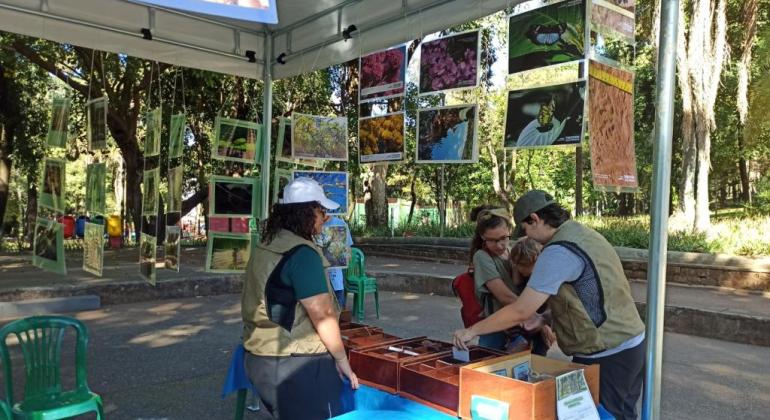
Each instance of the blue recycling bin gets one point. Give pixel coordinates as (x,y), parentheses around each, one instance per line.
(80,226)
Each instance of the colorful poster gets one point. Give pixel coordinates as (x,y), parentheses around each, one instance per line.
(382,74)
(52,191)
(176,135)
(545,116)
(319,138)
(234,197)
(172,247)
(148,251)
(611,128)
(381,138)
(451,62)
(613,21)
(93,249)
(262,11)
(546,35)
(174,199)
(95,185)
(281,177)
(236,140)
(150,185)
(97,123)
(228,252)
(284,145)
(333,241)
(152,126)
(334,184)
(447,134)
(58,128)
(48,246)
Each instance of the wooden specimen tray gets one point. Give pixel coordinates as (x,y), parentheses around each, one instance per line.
(351,325)
(364,337)
(527,400)
(435,381)
(379,366)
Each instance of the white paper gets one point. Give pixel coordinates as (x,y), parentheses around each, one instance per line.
(573,399)
(461,355)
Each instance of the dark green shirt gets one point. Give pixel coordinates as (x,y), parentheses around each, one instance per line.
(304,272)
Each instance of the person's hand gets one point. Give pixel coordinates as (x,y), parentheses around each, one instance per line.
(463,336)
(548,335)
(343,368)
(535,323)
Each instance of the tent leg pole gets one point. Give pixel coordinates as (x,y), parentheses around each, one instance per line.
(656,266)
(267,118)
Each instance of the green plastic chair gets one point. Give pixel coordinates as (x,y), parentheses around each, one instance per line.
(5,411)
(358,283)
(40,339)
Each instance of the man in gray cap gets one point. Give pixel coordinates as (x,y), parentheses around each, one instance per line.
(580,275)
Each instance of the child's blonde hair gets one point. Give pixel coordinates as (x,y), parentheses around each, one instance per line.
(525,251)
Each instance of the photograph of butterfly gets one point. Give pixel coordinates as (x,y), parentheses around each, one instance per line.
(551,34)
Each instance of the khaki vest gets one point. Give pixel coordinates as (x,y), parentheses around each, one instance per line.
(574,329)
(261,336)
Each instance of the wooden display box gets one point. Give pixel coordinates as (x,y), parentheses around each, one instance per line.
(527,400)
(379,366)
(365,337)
(435,381)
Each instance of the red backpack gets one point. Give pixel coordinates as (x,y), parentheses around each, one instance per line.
(464,287)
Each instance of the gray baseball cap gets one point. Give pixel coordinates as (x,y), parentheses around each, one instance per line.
(530,202)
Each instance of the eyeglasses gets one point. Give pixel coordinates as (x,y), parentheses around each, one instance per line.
(505,240)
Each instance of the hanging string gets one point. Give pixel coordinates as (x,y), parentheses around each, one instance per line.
(160,86)
(104,75)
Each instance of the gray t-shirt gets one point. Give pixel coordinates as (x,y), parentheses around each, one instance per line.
(555,265)
(485,268)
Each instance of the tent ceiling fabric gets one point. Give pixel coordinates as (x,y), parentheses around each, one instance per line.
(308,33)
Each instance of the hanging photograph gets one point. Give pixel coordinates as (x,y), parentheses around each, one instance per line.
(613,21)
(152,126)
(48,246)
(52,191)
(319,138)
(611,128)
(233,197)
(174,198)
(261,11)
(381,139)
(150,185)
(97,123)
(333,241)
(451,62)
(95,185)
(283,146)
(281,177)
(550,34)
(176,135)
(447,134)
(545,116)
(58,128)
(382,74)
(172,247)
(148,251)
(334,184)
(236,140)
(228,252)
(93,249)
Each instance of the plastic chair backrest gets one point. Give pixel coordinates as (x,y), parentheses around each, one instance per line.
(5,411)
(40,339)
(356,268)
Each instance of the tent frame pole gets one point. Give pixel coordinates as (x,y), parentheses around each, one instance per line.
(661,186)
(267,119)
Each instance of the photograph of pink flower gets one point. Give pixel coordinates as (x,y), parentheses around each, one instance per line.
(382,74)
(451,62)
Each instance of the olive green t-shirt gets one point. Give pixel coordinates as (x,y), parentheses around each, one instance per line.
(487,267)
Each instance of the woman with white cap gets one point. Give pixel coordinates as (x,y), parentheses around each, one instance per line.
(295,356)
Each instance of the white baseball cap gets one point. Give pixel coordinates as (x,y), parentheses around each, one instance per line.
(305,190)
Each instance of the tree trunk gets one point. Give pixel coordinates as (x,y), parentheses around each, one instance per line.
(743,169)
(377,205)
(413,197)
(31,208)
(5,176)
(687,183)
(133,192)
(578,181)
(625,204)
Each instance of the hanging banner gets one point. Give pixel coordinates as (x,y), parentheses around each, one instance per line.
(172,247)
(381,138)
(152,126)
(58,128)
(281,178)
(319,138)
(382,74)
(97,123)
(234,197)
(48,246)
(52,190)
(150,185)
(611,128)
(95,192)
(228,252)
(174,198)
(93,249)
(261,11)
(176,135)
(545,116)
(334,184)
(451,62)
(237,140)
(147,255)
(447,134)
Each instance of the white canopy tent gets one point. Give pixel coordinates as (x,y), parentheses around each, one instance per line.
(309,36)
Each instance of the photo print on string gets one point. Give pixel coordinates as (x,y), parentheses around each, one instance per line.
(150,186)
(48,246)
(152,126)
(447,134)
(284,145)
(97,123)
(549,33)
(236,140)
(227,252)
(334,184)
(613,21)
(95,188)
(233,197)
(174,198)
(262,11)
(58,128)
(93,249)
(451,62)
(281,178)
(545,116)
(333,241)
(176,133)
(52,191)
(381,138)
(611,128)
(147,255)
(172,247)
(319,138)
(382,74)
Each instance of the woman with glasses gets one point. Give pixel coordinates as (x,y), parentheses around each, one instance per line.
(295,356)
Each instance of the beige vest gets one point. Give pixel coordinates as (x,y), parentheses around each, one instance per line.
(261,336)
(575,330)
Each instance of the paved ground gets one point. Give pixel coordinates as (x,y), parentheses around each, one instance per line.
(167,359)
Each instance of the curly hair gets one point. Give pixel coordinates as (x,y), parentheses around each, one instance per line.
(486,217)
(525,251)
(298,218)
